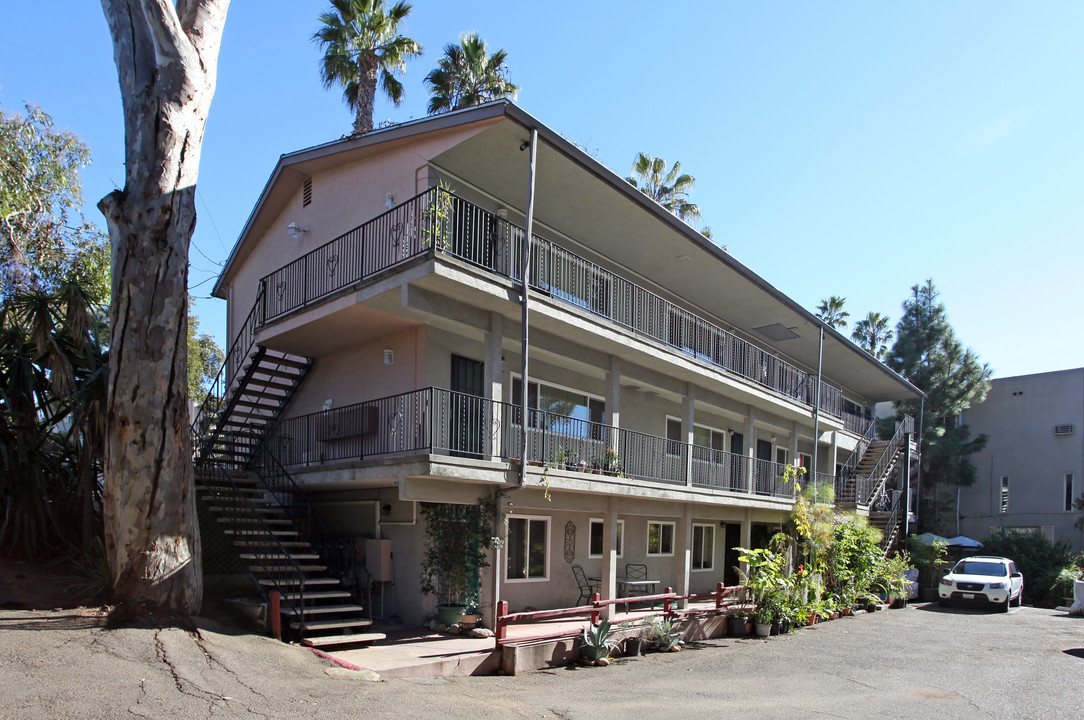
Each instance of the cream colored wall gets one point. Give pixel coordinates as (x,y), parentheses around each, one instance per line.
(359,373)
(343,197)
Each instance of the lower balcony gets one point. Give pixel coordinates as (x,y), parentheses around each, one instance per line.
(441,422)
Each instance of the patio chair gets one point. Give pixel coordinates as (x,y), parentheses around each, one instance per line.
(636,572)
(586,586)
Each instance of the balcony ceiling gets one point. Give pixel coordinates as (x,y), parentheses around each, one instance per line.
(579,197)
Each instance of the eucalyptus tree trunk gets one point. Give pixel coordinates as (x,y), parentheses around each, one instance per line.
(166,57)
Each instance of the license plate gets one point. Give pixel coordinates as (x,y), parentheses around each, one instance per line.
(967,596)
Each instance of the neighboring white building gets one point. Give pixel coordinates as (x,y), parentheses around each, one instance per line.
(375,290)
(1032,468)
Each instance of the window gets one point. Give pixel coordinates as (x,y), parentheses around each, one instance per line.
(528,538)
(1004,494)
(595,546)
(703,547)
(805,460)
(1068,492)
(660,538)
(709,437)
(561,403)
(781,455)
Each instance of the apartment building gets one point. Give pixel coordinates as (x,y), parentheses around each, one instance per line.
(376,297)
(1029,475)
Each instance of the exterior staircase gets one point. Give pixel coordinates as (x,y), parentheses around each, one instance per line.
(266,517)
(269,539)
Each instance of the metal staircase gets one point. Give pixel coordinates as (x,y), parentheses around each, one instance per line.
(863,479)
(269,521)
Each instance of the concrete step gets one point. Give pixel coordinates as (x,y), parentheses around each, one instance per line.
(330,610)
(330,624)
(329,640)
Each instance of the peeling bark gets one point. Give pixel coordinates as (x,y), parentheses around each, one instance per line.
(166,59)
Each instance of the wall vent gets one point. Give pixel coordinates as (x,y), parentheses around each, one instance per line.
(1063,429)
(306,193)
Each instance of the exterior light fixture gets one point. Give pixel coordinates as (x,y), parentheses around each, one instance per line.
(296,231)
(389,357)
(389,201)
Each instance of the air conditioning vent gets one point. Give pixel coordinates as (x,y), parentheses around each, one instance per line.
(1063,429)
(306,193)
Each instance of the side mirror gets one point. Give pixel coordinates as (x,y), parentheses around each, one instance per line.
(1017,574)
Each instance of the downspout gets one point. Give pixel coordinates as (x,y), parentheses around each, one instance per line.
(525,277)
(817,406)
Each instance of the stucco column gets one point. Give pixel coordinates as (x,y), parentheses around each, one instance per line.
(683,552)
(493,385)
(833,453)
(750,446)
(609,558)
(746,536)
(688,414)
(613,401)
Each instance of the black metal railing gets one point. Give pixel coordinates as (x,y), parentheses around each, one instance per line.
(440,221)
(871,486)
(443,422)
(205,423)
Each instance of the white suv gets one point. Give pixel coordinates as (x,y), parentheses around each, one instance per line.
(983,579)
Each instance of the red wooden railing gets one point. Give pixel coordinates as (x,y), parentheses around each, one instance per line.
(723,597)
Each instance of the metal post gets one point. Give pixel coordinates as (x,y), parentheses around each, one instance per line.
(817,403)
(524,299)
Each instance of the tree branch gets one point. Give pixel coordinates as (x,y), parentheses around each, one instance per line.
(203,22)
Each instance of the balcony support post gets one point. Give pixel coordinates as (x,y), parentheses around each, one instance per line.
(494,389)
(688,413)
(683,551)
(613,403)
(609,557)
(750,448)
(525,300)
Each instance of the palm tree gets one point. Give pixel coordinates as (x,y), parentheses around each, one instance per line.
(669,189)
(361,42)
(832,313)
(872,334)
(468,75)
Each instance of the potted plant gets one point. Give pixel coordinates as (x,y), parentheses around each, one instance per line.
(597,643)
(763,619)
(457,540)
(663,635)
(609,462)
(565,458)
(634,638)
(736,620)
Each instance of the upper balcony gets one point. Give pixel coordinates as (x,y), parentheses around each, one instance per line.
(437,221)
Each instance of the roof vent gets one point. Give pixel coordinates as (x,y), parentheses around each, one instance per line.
(1063,429)
(306,193)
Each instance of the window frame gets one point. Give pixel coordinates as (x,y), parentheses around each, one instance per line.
(692,550)
(546,548)
(1070,490)
(620,537)
(1003,507)
(647,540)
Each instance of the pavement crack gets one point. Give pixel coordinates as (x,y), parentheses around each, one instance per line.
(183,684)
(213,662)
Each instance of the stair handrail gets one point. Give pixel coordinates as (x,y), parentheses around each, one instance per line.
(879,473)
(891,525)
(221,473)
(864,442)
(290,486)
(216,394)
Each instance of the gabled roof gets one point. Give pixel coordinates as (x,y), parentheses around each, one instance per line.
(580,197)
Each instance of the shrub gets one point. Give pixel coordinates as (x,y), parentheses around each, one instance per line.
(1036,557)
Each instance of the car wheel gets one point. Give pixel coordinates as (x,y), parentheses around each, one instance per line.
(1004,607)
(1020,599)
(944,602)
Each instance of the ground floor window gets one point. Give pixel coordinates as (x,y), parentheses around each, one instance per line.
(660,537)
(703,547)
(595,549)
(528,538)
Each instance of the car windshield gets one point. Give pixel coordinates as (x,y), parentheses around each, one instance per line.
(980,568)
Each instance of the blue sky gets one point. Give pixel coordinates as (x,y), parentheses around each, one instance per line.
(847,148)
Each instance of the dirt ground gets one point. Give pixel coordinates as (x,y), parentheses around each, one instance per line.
(91,662)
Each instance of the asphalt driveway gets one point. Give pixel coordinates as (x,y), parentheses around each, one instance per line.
(918,662)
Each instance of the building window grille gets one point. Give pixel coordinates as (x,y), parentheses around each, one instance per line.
(1004,494)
